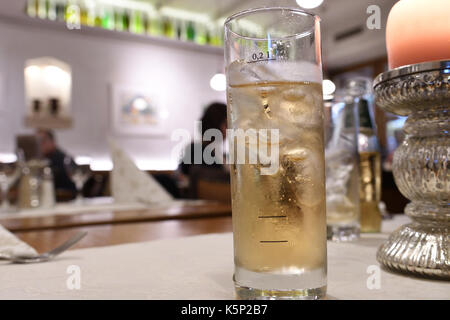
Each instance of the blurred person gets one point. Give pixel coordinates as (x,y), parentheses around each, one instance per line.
(214,117)
(57,160)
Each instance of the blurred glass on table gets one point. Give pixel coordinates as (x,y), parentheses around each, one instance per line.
(10,170)
(79,174)
(29,190)
(47,192)
(342,170)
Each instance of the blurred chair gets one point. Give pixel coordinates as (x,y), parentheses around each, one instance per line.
(390,195)
(29,145)
(212,190)
(209,184)
(97,185)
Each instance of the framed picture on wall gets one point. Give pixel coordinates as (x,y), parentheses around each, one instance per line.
(136,111)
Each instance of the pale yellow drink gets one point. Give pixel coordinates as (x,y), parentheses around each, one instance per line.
(279,220)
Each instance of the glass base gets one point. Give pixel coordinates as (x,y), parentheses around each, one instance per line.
(309,285)
(8,209)
(79,201)
(430,256)
(342,233)
(245,293)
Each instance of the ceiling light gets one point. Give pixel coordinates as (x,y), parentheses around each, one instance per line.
(101,165)
(140,104)
(33,71)
(328,87)
(82,160)
(218,82)
(309,4)
(8,157)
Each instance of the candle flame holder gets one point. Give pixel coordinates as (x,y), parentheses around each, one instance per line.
(420,167)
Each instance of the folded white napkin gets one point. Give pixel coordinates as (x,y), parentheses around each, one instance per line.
(129,184)
(11,245)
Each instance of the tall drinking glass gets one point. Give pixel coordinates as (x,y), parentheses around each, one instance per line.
(9,174)
(274,76)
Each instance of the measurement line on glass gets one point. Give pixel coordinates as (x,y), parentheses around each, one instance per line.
(260,60)
(267,217)
(273,241)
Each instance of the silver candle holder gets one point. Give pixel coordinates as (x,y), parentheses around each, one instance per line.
(420,167)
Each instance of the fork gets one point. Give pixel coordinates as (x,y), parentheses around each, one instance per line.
(47,255)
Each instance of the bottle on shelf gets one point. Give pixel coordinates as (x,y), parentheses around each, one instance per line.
(108,18)
(208,37)
(200,34)
(32,8)
(126,20)
(84,13)
(98,13)
(222,37)
(90,10)
(51,10)
(155,26)
(145,22)
(150,21)
(60,9)
(136,25)
(66,5)
(72,15)
(112,16)
(179,30)
(168,28)
(41,9)
(118,19)
(190,31)
(215,38)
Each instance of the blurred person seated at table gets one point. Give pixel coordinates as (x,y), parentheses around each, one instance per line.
(57,158)
(214,117)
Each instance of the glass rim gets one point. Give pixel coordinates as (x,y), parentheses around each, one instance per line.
(247,12)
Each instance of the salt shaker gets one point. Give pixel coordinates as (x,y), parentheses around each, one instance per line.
(47,189)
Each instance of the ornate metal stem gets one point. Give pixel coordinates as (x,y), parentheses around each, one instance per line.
(420,167)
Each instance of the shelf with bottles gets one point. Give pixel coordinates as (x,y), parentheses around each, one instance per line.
(135,17)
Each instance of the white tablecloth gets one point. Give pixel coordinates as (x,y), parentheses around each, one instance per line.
(198,267)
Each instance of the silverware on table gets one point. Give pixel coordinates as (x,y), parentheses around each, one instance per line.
(47,255)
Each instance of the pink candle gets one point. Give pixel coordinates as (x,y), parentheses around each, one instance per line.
(418,31)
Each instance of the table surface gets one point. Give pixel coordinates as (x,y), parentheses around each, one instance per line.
(112,234)
(197,267)
(73,216)
(182,262)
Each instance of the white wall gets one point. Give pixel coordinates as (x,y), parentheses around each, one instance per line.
(179,74)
